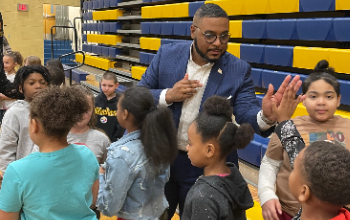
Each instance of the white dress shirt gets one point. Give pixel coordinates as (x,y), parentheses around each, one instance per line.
(190,107)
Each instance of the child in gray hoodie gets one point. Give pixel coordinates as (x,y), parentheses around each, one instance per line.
(15,142)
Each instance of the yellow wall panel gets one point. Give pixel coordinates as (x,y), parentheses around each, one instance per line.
(105,15)
(167,11)
(234,49)
(181,10)
(339,59)
(236,29)
(97,15)
(154,43)
(156,11)
(137,72)
(144,43)
(114,14)
(79,57)
(342,4)
(278,6)
(251,7)
(308,57)
(146,12)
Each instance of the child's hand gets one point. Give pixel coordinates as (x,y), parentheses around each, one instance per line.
(288,104)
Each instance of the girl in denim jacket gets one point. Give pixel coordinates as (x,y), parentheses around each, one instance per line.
(137,166)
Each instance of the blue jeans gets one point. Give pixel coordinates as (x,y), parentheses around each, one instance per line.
(183,175)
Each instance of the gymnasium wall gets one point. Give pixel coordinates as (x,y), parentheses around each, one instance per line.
(24,30)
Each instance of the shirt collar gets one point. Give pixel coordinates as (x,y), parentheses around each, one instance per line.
(128,137)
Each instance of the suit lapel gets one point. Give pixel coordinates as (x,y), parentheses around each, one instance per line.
(214,80)
(181,60)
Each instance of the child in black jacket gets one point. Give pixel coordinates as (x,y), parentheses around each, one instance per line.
(106,107)
(222,192)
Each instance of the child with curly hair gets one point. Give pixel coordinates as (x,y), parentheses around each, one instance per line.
(61,180)
(15,142)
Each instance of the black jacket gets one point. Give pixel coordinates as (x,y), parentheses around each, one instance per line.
(215,197)
(106,112)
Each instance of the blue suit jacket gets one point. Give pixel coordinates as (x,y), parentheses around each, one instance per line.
(170,64)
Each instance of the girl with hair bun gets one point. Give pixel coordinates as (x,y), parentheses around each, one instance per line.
(321,99)
(222,192)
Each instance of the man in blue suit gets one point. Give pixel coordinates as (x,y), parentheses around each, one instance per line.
(182,76)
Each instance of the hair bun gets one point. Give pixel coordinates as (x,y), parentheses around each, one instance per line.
(217,105)
(323,66)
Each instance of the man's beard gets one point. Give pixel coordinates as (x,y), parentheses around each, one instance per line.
(203,55)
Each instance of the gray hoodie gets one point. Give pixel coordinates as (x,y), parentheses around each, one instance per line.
(15,142)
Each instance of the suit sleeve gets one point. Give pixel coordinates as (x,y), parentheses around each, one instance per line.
(150,78)
(246,106)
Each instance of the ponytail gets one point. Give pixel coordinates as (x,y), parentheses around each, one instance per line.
(158,136)
(158,133)
(233,137)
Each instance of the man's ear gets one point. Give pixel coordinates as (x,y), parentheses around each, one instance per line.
(193,29)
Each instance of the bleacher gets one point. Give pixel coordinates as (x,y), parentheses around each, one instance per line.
(278,38)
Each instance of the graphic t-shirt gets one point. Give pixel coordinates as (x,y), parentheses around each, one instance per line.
(336,130)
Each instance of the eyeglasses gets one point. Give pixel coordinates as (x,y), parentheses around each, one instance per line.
(211,38)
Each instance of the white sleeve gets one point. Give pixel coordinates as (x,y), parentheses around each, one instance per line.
(262,125)
(267,179)
(162,102)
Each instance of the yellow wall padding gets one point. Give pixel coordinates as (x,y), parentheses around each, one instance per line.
(137,72)
(236,29)
(308,57)
(339,59)
(342,5)
(234,49)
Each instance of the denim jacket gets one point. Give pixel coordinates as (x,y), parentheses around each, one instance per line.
(131,188)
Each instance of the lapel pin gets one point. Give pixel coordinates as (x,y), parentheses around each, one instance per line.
(229,97)
(220,71)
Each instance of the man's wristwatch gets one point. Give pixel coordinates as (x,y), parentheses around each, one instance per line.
(267,121)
